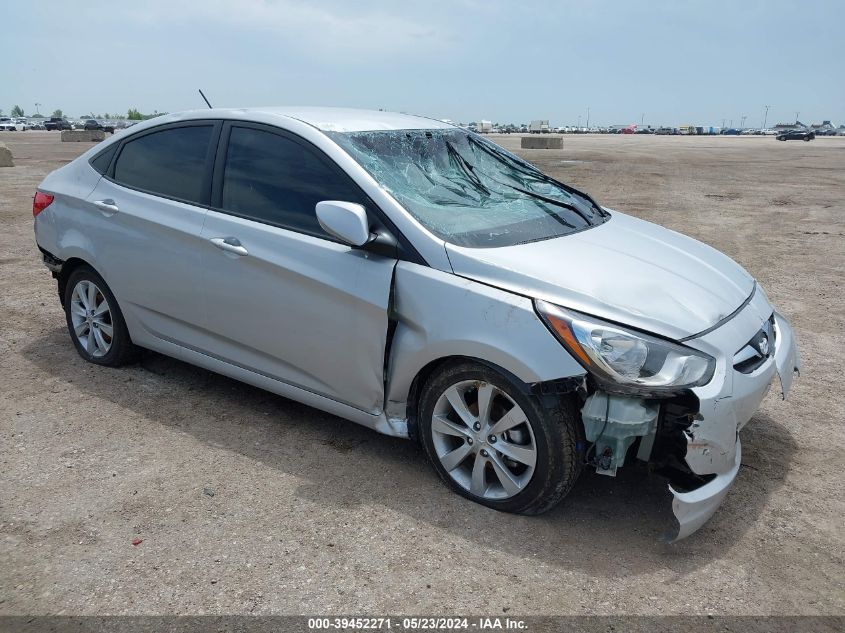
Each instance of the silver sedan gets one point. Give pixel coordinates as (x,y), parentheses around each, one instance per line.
(413,277)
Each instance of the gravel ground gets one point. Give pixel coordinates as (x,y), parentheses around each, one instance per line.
(249,503)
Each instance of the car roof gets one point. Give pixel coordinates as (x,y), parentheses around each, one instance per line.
(325,119)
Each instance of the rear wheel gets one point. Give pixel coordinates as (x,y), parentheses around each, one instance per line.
(493,443)
(95,321)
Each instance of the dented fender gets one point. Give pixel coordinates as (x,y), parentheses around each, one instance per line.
(440,315)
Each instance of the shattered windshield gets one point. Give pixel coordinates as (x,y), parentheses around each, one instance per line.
(467,190)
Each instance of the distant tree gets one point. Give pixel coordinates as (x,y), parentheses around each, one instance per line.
(135,115)
(17,111)
(36,116)
(57,113)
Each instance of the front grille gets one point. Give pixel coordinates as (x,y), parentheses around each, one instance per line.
(758,350)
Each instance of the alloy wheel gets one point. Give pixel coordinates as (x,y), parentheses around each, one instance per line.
(91,318)
(483,439)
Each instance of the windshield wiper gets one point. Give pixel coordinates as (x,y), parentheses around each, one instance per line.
(466,168)
(557,203)
(538,175)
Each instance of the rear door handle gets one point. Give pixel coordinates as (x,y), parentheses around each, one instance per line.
(230,245)
(107,206)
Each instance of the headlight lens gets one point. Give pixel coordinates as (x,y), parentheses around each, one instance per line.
(624,357)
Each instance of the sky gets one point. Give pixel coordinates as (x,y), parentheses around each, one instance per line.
(662,62)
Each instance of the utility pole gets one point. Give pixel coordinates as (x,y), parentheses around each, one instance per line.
(36,108)
(642,118)
(766,116)
(742,123)
(723,122)
(588,117)
(796,116)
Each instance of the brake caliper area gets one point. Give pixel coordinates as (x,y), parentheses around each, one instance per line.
(612,423)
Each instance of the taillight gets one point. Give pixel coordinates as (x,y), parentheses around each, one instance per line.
(40,202)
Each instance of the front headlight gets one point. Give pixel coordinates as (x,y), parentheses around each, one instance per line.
(621,357)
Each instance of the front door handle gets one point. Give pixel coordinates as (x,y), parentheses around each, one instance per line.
(230,245)
(107,206)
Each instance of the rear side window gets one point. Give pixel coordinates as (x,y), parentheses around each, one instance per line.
(272,179)
(102,160)
(169,163)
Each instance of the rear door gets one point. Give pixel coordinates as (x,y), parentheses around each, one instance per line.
(283,298)
(149,210)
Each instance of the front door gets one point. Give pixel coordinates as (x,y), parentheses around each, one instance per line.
(282,298)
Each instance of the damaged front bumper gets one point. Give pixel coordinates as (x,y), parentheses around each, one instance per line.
(726,404)
(693,508)
(693,437)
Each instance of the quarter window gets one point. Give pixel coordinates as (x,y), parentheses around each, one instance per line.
(273,179)
(169,163)
(102,161)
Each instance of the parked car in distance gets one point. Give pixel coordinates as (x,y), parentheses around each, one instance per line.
(57,123)
(92,124)
(420,280)
(796,135)
(9,125)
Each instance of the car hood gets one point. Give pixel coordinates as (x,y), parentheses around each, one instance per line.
(625,270)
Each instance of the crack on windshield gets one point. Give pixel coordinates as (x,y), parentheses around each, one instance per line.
(467,190)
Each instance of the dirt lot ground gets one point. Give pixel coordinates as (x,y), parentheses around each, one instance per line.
(250,503)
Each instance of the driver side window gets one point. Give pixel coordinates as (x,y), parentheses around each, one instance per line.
(273,179)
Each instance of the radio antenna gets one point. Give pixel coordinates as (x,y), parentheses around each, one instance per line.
(206,100)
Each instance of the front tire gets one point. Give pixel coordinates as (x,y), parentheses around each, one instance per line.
(94,320)
(495,444)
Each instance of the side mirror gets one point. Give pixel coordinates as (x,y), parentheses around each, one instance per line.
(346,221)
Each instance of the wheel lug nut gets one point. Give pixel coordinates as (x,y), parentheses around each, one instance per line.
(469,440)
(477,426)
(492,439)
(484,452)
